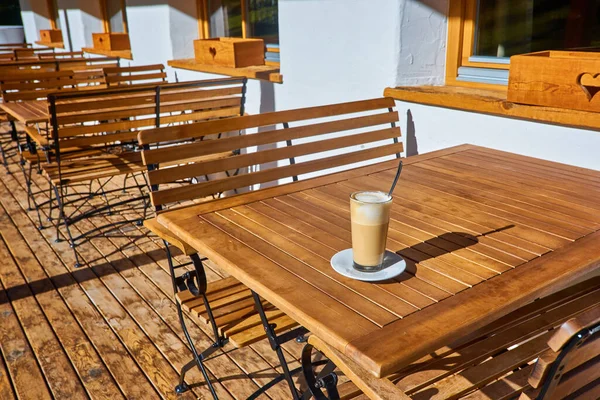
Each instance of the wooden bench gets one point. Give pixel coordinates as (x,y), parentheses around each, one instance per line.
(143,74)
(97,131)
(61,55)
(11,46)
(87,70)
(179,158)
(28,87)
(28,91)
(30,53)
(90,74)
(528,352)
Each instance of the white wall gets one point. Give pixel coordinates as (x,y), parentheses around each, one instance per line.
(11,34)
(422,45)
(149,33)
(428,128)
(335,51)
(29,21)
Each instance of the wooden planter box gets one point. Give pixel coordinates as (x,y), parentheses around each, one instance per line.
(563,79)
(230,52)
(111,41)
(51,36)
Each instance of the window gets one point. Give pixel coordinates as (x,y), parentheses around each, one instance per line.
(483,34)
(10,13)
(242,18)
(113,16)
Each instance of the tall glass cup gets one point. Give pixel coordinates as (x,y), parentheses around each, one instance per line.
(370,217)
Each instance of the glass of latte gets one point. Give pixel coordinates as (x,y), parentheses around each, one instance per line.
(370,217)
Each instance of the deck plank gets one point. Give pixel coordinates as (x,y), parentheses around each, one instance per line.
(121,308)
(56,367)
(114,355)
(25,374)
(88,365)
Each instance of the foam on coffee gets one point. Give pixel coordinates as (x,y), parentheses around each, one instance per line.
(369,210)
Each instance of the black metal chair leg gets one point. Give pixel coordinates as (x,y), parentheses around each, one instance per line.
(4,157)
(63,217)
(198,358)
(13,133)
(124,184)
(327,379)
(50,202)
(105,197)
(272,336)
(28,184)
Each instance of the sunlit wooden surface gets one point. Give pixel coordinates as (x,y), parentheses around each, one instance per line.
(108,330)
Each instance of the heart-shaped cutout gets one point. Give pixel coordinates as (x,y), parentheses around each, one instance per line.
(212,51)
(589,83)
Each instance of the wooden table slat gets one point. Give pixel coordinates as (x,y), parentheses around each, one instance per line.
(526,163)
(483,233)
(384,353)
(500,184)
(513,196)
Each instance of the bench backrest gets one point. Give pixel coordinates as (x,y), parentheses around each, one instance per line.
(35,85)
(572,366)
(113,116)
(143,74)
(61,55)
(327,137)
(12,46)
(91,74)
(28,53)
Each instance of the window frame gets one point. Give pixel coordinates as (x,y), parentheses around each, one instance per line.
(106,21)
(204,26)
(204,20)
(204,23)
(462,18)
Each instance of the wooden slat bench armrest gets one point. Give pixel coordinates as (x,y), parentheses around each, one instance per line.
(33,133)
(571,327)
(159,230)
(375,388)
(575,346)
(541,368)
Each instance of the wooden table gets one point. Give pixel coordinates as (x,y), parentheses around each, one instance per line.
(28,112)
(484,232)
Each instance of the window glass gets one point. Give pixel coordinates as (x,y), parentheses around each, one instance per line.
(10,12)
(263,20)
(114,13)
(508,27)
(225,18)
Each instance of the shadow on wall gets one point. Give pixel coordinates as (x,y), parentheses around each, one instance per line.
(87,7)
(412,148)
(267,104)
(441,6)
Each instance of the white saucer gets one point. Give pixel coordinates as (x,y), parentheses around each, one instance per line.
(393,265)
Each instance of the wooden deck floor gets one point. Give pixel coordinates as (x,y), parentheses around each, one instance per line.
(108,329)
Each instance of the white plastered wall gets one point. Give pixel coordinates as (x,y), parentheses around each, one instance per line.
(335,51)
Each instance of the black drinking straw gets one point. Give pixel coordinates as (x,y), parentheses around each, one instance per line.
(396,179)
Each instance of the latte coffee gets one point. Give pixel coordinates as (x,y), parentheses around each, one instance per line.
(370,217)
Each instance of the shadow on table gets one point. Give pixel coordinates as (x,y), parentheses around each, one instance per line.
(436,247)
